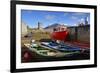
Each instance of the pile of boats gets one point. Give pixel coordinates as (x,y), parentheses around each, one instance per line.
(53,49)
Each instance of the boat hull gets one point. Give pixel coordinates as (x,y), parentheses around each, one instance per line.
(61,35)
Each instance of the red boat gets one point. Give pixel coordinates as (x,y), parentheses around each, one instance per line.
(60,33)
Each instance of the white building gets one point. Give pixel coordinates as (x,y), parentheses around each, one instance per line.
(24,29)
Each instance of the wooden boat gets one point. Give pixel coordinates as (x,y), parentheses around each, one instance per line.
(60,33)
(49,52)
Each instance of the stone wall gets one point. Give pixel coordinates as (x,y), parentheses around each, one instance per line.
(80,33)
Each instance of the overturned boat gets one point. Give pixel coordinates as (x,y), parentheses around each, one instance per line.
(48,51)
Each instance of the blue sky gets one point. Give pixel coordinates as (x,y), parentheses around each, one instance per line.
(32,17)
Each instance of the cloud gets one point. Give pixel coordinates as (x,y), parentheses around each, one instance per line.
(79,13)
(82,19)
(65,14)
(74,17)
(49,17)
(66,24)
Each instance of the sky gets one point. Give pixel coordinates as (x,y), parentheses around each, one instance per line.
(46,18)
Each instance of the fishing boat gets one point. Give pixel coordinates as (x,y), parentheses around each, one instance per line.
(48,52)
(61,47)
(60,33)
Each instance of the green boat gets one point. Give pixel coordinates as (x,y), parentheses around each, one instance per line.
(48,52)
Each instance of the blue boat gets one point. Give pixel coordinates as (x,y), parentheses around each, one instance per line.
(60,47)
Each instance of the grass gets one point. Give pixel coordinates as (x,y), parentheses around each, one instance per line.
(36,35)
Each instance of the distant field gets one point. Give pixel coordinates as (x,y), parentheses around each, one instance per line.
(37,35)
(41,35)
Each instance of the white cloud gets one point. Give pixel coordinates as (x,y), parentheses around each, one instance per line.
(49,17)
(74,24)
(79,13)
(74,17)
(66,24)
(82,19)
(65,14)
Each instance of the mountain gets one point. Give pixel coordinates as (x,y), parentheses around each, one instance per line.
(51,27)
(55,25)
